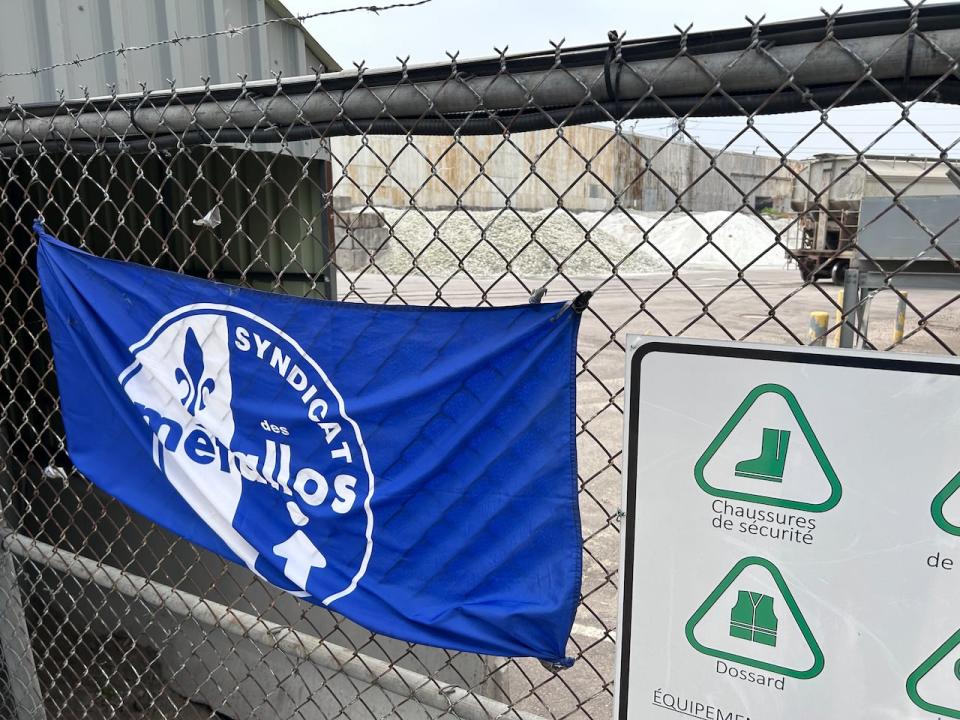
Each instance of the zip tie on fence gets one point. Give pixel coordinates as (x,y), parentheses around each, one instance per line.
(911,38)
(555,667)
(578,304)
(613,87)
(55,472)
(582,301)
(537,295)
(131,112)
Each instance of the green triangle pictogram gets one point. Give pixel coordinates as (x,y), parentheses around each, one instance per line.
(801,674)
(925,667)
(939,500)
(766,466)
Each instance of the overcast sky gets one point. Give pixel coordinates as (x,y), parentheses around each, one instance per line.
(475,27)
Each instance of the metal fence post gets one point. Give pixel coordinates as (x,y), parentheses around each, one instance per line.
(16,652)
(837,319)
(15,641)
(901,319)
(851,303)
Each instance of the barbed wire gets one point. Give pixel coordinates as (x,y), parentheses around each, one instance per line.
(177,39)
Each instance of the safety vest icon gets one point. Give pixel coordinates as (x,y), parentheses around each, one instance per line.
(753,619)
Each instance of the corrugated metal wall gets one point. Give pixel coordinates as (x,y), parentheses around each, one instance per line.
(273,232)
(40,33)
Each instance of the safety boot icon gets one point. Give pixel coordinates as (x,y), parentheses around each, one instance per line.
(772,459)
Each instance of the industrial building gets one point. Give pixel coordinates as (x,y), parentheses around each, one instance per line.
(646,173)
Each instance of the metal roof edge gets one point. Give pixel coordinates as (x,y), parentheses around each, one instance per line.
(329,64)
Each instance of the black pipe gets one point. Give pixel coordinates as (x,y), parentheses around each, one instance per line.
(525,120)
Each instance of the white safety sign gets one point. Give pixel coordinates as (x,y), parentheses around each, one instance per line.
(791,537)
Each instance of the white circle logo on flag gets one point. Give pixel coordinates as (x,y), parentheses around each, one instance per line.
(252,434)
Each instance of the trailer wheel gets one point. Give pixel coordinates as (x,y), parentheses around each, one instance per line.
(837,271)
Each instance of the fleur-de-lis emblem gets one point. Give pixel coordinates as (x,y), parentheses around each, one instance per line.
(196,392)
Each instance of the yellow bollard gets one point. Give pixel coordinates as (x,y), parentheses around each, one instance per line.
(837,318)
(818,328)
(901,320)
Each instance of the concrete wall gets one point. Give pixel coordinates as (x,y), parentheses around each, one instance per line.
(583,170)
(360,237)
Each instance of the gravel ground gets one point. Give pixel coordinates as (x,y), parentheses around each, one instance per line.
(533,244)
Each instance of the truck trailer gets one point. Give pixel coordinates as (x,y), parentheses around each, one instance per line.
(876,213)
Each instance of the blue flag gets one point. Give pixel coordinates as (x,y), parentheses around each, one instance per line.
(411,468)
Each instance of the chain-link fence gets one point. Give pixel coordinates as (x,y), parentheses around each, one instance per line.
(453,184)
